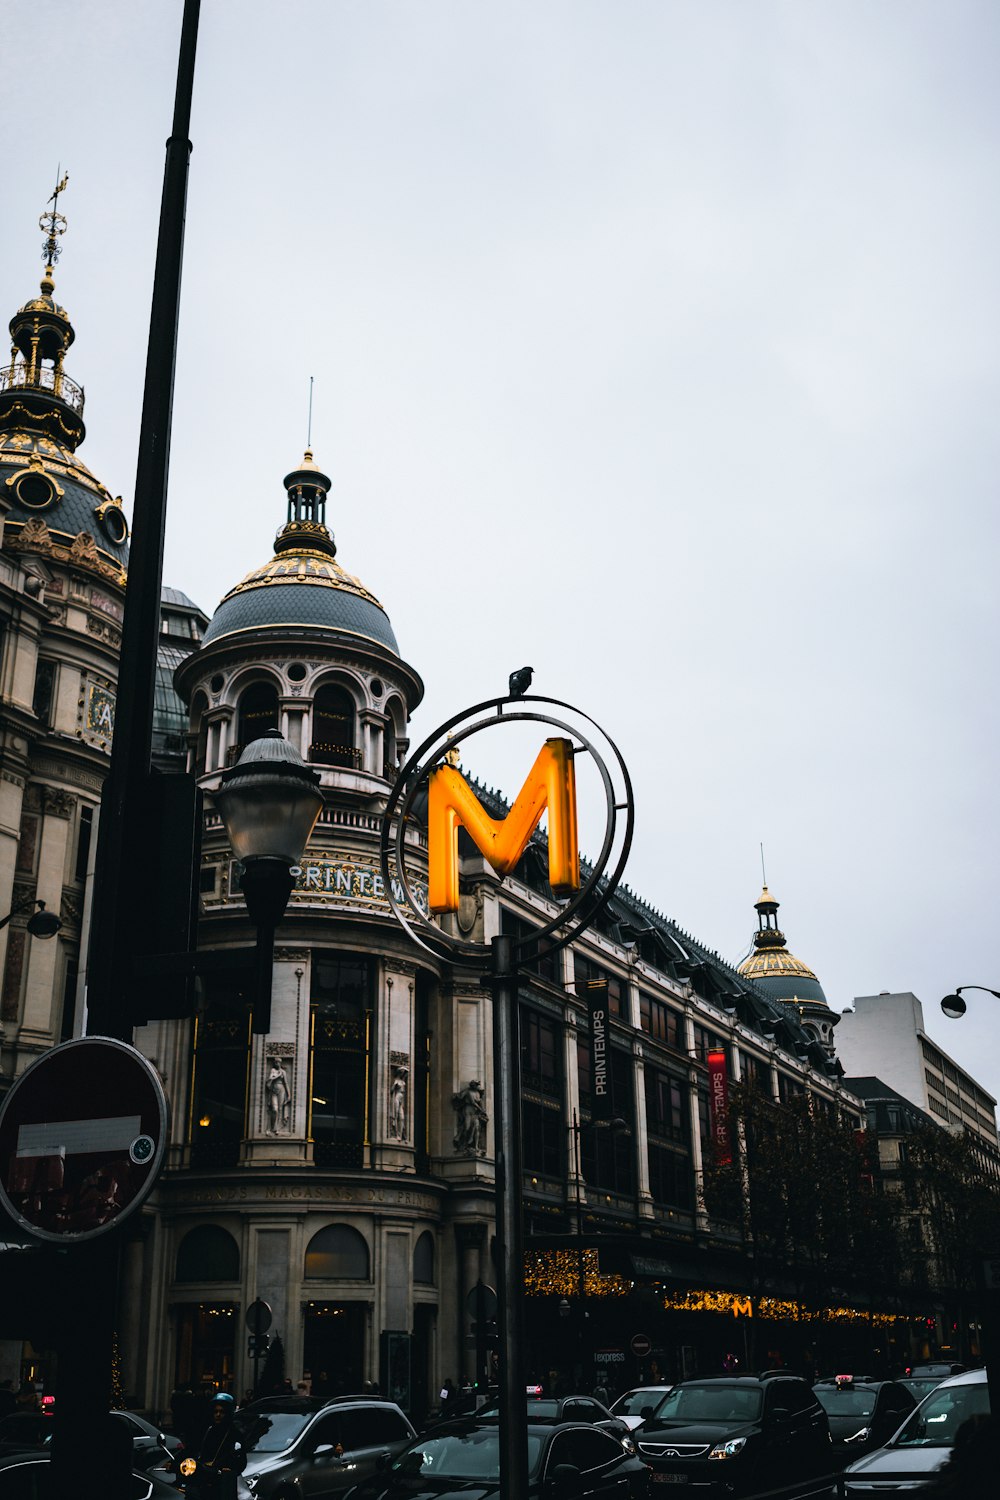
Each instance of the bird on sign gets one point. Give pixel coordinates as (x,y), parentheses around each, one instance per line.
(520,681)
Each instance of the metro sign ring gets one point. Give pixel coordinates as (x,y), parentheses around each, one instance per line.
(82,1137)
(550,789)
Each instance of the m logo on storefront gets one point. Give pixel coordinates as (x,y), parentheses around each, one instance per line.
(451,802)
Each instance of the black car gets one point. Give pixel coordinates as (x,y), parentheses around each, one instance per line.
(23,1476)
(566,1409)
(567,1461)
(863,1413)
(734,1435)
(152,1451)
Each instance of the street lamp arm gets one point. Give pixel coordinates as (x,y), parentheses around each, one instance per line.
(41,923)
(954,1006)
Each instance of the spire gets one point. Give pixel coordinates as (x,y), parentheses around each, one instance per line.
(35,392)
(306,528)
(768,934)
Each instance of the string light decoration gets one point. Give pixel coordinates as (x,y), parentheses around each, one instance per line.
(118,1402)
(774,1309)
(567,1273)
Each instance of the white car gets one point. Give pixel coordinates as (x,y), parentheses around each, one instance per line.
(923,1443)
(639,1403)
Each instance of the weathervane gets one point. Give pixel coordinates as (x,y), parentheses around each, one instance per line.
(53,224)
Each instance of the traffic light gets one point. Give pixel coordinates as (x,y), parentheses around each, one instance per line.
(258,1344)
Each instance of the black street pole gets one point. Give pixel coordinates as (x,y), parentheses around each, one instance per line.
(118,895)
(84,1352)
(510,1230)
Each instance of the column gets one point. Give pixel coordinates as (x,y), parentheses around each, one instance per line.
(643,1195)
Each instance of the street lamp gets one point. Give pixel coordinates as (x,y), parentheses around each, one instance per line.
(954,1006)
(269,801)
(41,923)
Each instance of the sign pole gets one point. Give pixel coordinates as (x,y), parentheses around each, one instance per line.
(510,1228)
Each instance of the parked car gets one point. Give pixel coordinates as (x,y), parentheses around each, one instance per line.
(23,1476)
(863,1413)
(936,1370)
(565,1409)
(152,1451)
(925,1440)
(732,1435)
(461,1461)
(23,1431)
(301,1446)
(639,1403)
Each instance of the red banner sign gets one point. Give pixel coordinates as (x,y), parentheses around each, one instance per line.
(718,1106)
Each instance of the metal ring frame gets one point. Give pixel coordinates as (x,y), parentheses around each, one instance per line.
(588,901)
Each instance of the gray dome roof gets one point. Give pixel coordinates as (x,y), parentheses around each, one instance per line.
(302,589)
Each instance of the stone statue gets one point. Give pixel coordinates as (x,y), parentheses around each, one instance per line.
(279,1099)
(397,1105)
(470,1128)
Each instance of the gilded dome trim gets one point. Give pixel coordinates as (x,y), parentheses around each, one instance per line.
(303,566)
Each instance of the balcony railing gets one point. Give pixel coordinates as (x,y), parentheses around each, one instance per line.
(324,754)
(43,378)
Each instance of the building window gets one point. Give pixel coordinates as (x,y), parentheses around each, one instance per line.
(540,1070)
(423,1260)
(333,729)
(342,998)
(705,1042)
(666,1115)
(41,700)
(543,1131)
(337,1253)
(546,965)
(207,1253)
(258,713)
(670,1177)
(662,1022)
(587,974)
(220,1079)
(84,830)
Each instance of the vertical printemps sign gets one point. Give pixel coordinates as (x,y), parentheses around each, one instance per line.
(718,1105)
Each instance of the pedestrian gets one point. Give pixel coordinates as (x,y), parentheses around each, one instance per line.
(221,1457)
(601,1393)
(8,1401)
(448,1396)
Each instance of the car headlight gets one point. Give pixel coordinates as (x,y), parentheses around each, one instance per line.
(627,1444)
(730,1449)
(251,1482)
(859,1436)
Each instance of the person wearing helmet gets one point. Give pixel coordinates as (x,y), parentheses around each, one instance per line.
(221,1456)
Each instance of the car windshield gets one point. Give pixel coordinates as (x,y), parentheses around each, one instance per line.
(845,1402)
(538,1409)
(919,1387)
(633,1403)
(938,1418)
(462,1455)
(270,1432)
(710,1403)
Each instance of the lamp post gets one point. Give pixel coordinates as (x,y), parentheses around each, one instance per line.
(954,1006)
(269,802)
(41,923)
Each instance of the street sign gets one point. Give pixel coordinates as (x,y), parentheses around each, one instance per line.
(259,1316)
(481,1301)
(641,1345)
(82,1137)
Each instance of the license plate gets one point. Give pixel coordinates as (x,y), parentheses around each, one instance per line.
(669,1478)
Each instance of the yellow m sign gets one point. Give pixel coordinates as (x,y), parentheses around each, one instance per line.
(451,801)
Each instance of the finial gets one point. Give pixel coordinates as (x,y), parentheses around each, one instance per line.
(53,225)
(309,427)
(762,870)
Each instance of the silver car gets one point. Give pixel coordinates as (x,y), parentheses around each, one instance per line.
(298,1446)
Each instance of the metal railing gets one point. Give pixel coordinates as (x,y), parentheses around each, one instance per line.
(43,378)
(325,754)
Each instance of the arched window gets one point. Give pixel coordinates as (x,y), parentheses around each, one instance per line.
(199,733)
(333,728)
(258,712)
(423,1259)
(337,1253)
(208,1253)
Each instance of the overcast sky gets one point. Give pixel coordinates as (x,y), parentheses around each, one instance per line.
(655,345)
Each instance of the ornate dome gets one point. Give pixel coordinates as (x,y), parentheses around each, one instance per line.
(779,973)
(303,584)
